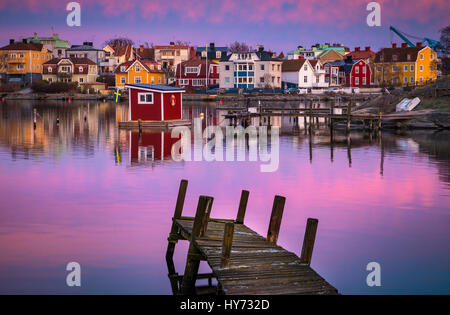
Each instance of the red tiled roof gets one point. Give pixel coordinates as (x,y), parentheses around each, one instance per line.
(171,47)
(362,54)
(79,63)
(23,46)
(194,62)
(293,65)
(401,53)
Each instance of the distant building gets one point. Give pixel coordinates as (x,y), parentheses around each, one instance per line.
(303,73)
(252,69)
(171,55)
(139,72)
(87,50)
(22,61)
(194,74)
(81,70)
(348,73)
(54,44)
(405,65)
(317,51)
(213,52)
(301,52)
(115,56)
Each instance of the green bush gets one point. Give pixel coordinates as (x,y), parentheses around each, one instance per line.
(57,87)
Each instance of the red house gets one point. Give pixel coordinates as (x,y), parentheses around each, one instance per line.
(151,102)
(348,73)
(147,147)
(192,74)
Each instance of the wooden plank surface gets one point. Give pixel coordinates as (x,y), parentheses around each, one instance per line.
(256,266)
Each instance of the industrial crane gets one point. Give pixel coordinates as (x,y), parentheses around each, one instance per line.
(433,44)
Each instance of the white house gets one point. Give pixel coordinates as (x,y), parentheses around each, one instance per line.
(253,69)
(304,73)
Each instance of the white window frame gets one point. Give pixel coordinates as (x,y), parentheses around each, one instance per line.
(123,80)
(135,80)
(145,94)
(137,68)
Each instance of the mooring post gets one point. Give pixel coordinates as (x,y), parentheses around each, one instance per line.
(333,100)
(173,236)
(379,121)
(226,245)
(308,241)
(349,113)
(242,207)
(34,118)
(140,125)
(275,219)
(194,255)
(310,115)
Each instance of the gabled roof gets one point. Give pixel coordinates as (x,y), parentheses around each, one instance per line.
(145,53)
(401,53)
(293,65)
(172,47)
(155,87)
(361,54)
(331,54)
(75,61)
(195,63)
(123,51)
(23,46)
(345,65)
(146,64)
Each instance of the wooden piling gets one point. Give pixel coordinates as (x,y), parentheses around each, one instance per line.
(173,236)
(349,115)
(310,115)
(193,257)
(242,207)
(332,111)
(275,219)
(226,245)
(308,241)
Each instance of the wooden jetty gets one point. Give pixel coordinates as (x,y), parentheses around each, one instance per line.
(146,124)
(242,261)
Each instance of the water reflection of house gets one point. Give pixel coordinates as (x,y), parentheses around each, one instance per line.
(147,147)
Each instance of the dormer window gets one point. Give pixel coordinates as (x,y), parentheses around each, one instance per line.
(159,67)
(152,67)
(122,68)
(394,57)
(218,54)
(80,69)
(408,57)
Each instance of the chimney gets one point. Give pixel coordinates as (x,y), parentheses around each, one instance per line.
(35,35)
(419,44)
(24,40)
(55,36)
(357,48)
(394,45)
(141,48)
(11,41)
(211,46)
(348,59)
(172,44)
(404,45)
(367,48)
(300,47)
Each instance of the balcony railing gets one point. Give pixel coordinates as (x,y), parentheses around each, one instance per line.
(15,60)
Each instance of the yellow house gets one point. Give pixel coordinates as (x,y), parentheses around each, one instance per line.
(22,62)
(405,65)
(139,71)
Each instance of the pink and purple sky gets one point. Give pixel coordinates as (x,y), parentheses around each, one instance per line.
(279,25)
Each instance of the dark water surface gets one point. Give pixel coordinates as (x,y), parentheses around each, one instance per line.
(83,191)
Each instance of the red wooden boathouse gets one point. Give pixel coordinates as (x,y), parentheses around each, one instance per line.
(151,102)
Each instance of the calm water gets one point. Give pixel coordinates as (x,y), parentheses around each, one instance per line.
(83,191)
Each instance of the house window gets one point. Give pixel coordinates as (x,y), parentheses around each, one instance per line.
(421,56)
(204,53)
(21,55)
(20,66)
(145,98)
(412,79)
(431,56)
(159,79)
(138,68)
(305,79)
(227,67)
(364,69)
(364,81)
(262,67)
(421,68)
(356,81)
(408,57)
(218,54)
(153,80)
(50,69)
(152,67)
(122,80)
(421,80)
(137,80)
(305,67)
(261,79)
(159,67)
(191,69)
(227,80)
(250,80)
(250,67)
(81,80)
(405,68)
(50,80)
(379,69)
(394,68)
(122,69)
(357,70)
(394,58)
(411,68)
(405,80)
(80,69)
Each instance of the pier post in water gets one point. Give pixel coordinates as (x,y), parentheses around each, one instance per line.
(194,255)
(242,207)
(226,245)
(310,115)
(173,237)
(349,115)
(308,241)
(275,219)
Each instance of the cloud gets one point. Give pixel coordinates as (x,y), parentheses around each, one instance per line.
(324,12)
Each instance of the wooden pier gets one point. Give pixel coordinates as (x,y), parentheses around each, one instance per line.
(148,124)
(242,261)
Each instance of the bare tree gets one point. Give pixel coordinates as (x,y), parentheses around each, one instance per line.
(239,47)
(445,38)
(182,43)
(119,41)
